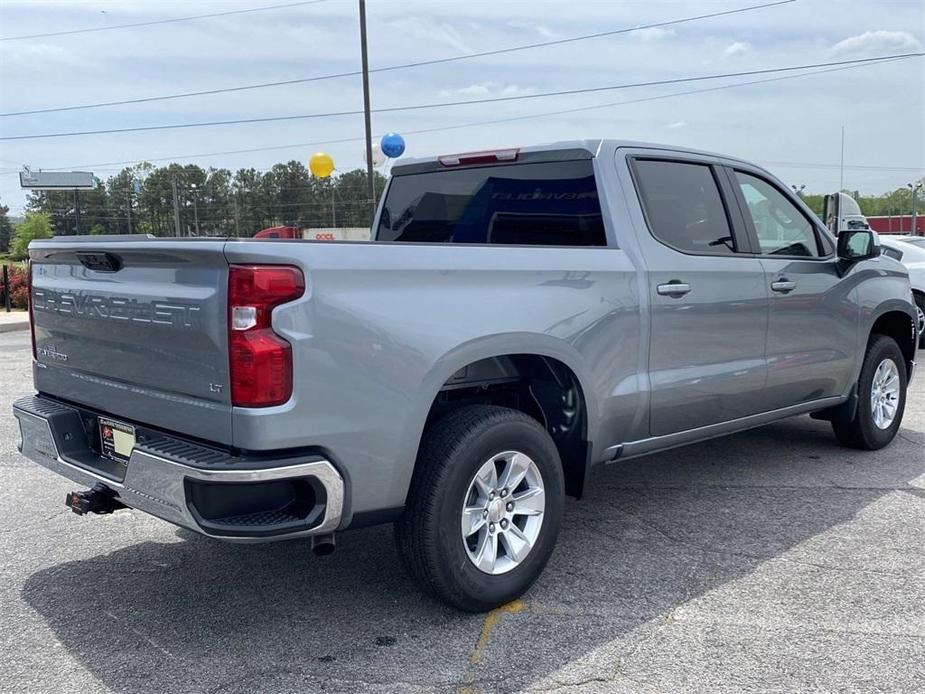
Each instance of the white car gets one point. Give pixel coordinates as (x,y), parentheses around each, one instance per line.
(910,251)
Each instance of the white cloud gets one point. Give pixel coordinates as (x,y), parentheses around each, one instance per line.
(652,34)
(426,29)
(33,55)
(537,28)
(487,89)
(736,49)
(678,124)
(877,42)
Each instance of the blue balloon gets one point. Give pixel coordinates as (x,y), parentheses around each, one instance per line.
(392,145)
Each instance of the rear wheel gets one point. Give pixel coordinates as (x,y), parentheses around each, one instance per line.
(484,507)
(881,397)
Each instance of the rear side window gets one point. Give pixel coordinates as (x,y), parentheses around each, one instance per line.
(683,205)
(543,204)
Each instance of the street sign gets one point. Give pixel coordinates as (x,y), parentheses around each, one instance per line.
(57,180)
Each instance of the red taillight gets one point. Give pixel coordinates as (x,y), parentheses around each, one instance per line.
(260,360)
(488,157)
(31,313)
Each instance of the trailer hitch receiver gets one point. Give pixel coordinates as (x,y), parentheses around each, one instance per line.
(99,499)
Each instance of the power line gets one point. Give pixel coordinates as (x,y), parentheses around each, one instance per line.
(497,121)
(806,165)
(159,21)
(467,102)
(438,61)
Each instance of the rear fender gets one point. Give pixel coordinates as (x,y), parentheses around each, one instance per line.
(484,348)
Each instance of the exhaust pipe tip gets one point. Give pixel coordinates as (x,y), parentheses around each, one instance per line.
(323,545)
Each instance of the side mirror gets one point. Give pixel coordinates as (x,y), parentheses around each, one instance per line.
(855,245)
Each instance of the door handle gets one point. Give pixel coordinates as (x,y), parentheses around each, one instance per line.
(674,288)
(783,285)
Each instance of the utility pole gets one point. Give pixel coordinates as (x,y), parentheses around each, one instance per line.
(195,208)
(176,207)
(371,193)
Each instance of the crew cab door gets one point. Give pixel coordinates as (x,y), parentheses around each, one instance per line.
(708,296)
(813,319)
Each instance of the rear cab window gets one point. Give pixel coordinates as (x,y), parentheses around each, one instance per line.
(532,204)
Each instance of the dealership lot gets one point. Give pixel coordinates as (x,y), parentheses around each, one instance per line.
(773,559)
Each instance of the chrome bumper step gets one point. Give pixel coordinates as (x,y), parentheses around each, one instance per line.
(165,477)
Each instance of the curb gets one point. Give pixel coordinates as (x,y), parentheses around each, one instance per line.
(8,327)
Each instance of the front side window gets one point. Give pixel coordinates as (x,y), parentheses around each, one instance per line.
(539,204)
(781,227)
(684,207)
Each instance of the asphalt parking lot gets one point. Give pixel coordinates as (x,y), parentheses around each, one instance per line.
(772,560)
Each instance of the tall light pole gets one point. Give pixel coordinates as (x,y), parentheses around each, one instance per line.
(176,207)
(195,208)
(841,175)
(77,212)
(913,188)
(370,191)
(333,207)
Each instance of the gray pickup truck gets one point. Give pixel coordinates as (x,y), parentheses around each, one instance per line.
(521,318)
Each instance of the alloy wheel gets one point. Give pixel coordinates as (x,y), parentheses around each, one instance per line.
(503,512)
(884,394)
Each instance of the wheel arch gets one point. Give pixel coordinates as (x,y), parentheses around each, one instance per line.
(533,357)
(895,320)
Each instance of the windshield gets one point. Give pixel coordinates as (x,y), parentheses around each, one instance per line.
(920,242)
(913,250)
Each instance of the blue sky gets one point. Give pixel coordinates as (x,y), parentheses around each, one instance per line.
(793,126)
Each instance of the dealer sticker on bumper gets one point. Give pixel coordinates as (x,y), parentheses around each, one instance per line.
(116,440)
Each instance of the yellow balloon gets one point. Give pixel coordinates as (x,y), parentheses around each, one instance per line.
(321,165)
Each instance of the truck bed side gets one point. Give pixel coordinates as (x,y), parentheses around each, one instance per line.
(383,326)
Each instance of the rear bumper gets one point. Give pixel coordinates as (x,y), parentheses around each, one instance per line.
(199,488)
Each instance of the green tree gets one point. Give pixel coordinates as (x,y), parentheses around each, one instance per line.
(98,230)
(251,202)
(6,229)
(36,225)
(353,208)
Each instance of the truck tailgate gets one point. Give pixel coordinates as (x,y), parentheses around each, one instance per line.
(135,328)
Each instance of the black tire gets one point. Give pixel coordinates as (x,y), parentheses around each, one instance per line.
(862,432)
(428,533)
(920,302)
